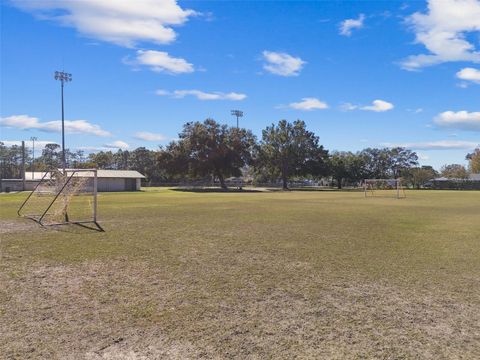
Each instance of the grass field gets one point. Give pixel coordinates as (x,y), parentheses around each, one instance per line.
(276,275)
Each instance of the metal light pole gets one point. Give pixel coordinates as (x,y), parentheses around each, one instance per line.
(23,165)
(238,114)
(63,77)
(33,138)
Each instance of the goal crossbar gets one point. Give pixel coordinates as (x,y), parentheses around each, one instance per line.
(384,188)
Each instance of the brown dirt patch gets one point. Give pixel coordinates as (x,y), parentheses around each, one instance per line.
(18,225)
(127,310)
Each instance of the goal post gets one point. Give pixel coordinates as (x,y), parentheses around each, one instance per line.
(61,198)
(384,188)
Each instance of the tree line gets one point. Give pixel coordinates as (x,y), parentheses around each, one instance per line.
(209,150)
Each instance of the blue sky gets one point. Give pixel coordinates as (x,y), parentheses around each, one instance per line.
(360,73)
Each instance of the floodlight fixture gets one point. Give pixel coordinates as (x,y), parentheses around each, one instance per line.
(63,76)
(238,114)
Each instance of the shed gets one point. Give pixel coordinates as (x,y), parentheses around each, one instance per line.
(443,183)
(119,180)
(107,180)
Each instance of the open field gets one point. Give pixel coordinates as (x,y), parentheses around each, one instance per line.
(309,274)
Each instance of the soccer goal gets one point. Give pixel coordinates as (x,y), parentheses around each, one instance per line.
(384,188)
(61,198)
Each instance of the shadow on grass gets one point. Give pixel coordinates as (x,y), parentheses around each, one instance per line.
(216,190)
(260,189)
(315,189)
(72,228)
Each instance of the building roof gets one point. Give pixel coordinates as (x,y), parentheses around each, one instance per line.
(124,174)
(471,177)
(132,174)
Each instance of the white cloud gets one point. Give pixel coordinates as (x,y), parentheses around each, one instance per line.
(160,61)
(76,127)
(119,144)
(348,107)
(20,122)
(348,25)
(462,120)
(469,74)
(415,111)
(378,106)
(39,144)
(148,136)
(201,95)
(90,149)
(282,64)
(161,92)
(436,145)
(309,104)
(26,122)
(122,22)
(442,31)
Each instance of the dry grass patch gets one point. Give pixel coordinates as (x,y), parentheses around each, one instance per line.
(250,276)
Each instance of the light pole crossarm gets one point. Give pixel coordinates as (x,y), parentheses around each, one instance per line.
(238,114)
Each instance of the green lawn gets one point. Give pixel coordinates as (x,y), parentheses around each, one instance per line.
(311,274)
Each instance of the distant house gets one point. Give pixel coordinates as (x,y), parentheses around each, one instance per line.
(474,177)
(443,183)
(107,180)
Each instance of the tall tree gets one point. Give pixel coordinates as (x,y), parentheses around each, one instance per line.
(121,159)
(11,161)
(346,166)
(401,159)
(102,159)
(209,148)
(289,149)
(388,163)
(173,161)
(77,159)
(143,160)
(377,162)
(474,161)
(454,171)
(339,167)
(419,176)
(51,156)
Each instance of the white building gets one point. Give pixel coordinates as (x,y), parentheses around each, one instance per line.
(107,180)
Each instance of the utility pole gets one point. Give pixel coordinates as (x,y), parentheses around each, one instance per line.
(238,114)
(33,139)
(63,77)
(23,165)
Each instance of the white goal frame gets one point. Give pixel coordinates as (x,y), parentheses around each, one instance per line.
(394,184)
(58,192)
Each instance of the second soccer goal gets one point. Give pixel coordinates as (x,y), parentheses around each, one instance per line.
(384,188)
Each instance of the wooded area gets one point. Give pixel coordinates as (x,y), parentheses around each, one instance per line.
(209,150)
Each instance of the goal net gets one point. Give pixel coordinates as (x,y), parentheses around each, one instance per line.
(384,188)
(63,198)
